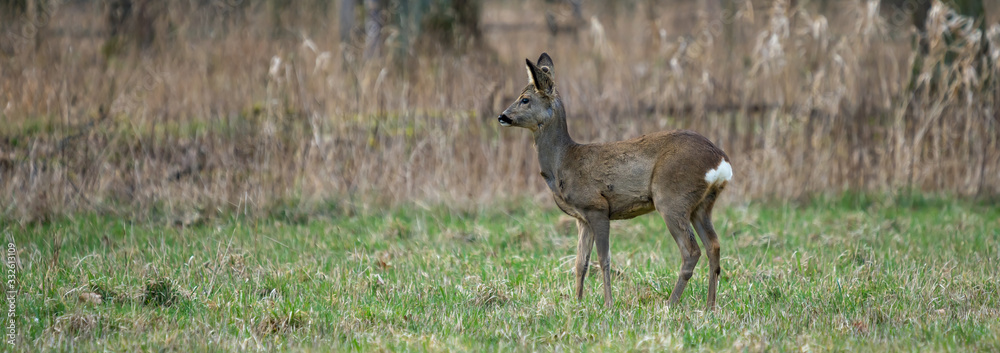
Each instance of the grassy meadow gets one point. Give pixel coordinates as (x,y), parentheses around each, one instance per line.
(844,274)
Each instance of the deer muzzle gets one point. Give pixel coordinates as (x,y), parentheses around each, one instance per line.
(505,120)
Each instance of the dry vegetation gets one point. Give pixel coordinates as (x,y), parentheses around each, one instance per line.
(217,105)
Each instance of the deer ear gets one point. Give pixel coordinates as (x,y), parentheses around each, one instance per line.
(541,80)
(545,64)
(531,73)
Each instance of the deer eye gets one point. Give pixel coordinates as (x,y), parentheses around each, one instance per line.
(524,100)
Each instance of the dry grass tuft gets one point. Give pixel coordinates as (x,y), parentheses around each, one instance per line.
(69,326)
(491,294)
(104,294)
(281,323)
(78,324)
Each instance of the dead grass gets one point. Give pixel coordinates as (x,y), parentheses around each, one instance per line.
(263,110)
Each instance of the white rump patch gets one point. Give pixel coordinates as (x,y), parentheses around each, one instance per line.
(722,173)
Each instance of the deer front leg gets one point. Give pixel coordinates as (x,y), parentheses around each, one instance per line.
(583,248)
(600,225)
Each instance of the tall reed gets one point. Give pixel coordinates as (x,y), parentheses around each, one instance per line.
(263,108)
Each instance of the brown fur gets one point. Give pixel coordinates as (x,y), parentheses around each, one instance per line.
(596,183)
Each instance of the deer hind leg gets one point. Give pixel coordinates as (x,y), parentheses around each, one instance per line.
(702,220)
(584,245)
(679,225)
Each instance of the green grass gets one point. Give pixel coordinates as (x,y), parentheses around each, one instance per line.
(854,273)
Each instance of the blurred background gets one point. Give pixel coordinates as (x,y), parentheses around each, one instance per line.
(189,108)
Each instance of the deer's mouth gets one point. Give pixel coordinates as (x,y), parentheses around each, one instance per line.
(505,120)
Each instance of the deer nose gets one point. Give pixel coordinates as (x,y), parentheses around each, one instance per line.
(505,120)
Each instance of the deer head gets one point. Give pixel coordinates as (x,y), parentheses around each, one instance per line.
(539,104)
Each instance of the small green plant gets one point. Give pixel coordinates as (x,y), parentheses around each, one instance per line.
(160,292)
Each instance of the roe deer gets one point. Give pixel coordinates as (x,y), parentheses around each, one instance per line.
(678,173)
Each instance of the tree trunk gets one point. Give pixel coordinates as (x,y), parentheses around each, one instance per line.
(346,19)
(373,27)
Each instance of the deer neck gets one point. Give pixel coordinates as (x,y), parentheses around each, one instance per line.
(552,141)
